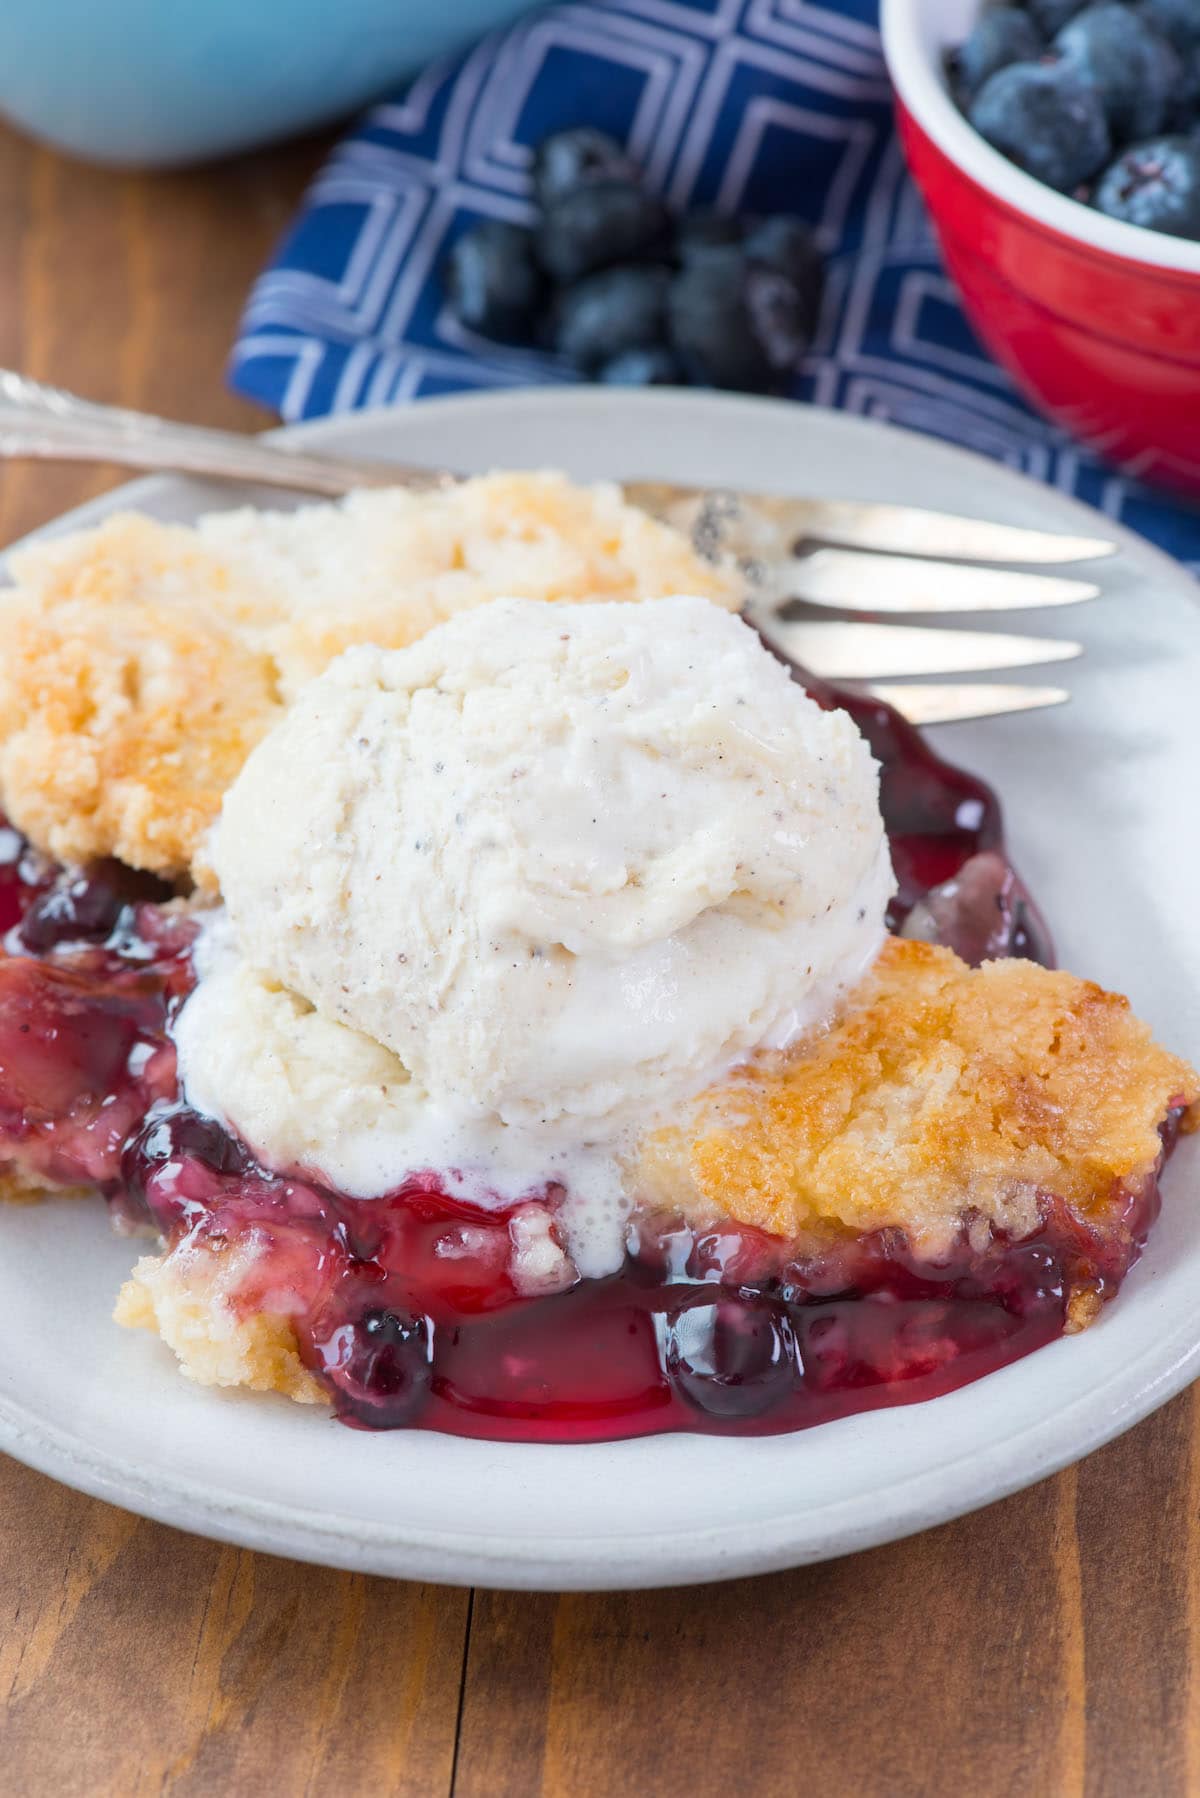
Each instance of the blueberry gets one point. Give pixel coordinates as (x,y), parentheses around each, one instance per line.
(1133,69)
(1051,15)
(1185,112)
(983,912)
(182,1134)
(1046,119)
(698,232)
(736,324)
(787,246)
(617,310)
(782,316)
(643,368)
(380,1366)
(1155,185)
(597,226)
(493,282)
(1001,36)
(736,1358)
(1176,20)
(170,1148)
(85,905)
(710,327)
(578,158)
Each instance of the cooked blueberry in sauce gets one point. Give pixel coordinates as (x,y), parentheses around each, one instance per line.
(173,1137)
(24,876)
(734,1358)
(982,912)
(86,905)
(380,1366)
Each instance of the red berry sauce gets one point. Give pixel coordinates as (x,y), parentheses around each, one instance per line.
(405,1307)
(92,967)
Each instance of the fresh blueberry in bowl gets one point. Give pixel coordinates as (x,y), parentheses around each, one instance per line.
(1134,71)
(493,282)
(1185,111)
(1001,35)
(1047,119)
(1051,15)
(1155,185)
(1177,20)
(1092,114)
(609,313)
(1080,277)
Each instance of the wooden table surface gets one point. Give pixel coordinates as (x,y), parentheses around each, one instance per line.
(1048,1645)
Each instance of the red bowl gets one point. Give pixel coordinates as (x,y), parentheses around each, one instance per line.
(1098,321)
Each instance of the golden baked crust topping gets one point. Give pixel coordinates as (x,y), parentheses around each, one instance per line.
(941,1091)
(143,661)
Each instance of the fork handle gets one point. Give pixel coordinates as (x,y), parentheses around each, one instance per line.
(49,424)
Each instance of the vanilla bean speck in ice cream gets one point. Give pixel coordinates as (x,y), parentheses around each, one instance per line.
(495,902)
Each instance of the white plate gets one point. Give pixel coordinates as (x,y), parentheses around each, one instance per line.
(1100,799)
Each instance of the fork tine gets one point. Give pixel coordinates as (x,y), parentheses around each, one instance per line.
(936,703)
(739,521)
(913,531)
(859,581)
(871,651)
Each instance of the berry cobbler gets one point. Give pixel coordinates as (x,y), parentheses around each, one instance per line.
(545,1018)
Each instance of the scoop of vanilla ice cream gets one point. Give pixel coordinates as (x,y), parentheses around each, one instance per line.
(566,864)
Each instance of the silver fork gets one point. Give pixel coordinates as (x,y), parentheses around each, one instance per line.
(799,557)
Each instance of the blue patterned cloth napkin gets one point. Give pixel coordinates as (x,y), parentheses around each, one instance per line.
(747,105)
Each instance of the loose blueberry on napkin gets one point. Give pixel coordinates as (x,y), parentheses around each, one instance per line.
(629,293)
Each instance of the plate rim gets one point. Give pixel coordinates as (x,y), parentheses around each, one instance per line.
(691,1556)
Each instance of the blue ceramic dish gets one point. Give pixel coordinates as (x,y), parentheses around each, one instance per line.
(155,82)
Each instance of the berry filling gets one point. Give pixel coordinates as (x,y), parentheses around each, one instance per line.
(94,963)
(408,1309)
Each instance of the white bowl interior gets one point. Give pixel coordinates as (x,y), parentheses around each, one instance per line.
(916,34)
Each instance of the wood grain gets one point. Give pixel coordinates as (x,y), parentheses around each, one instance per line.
(1045,1646)
(1049,1646)
(137,1660)
(128,288)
